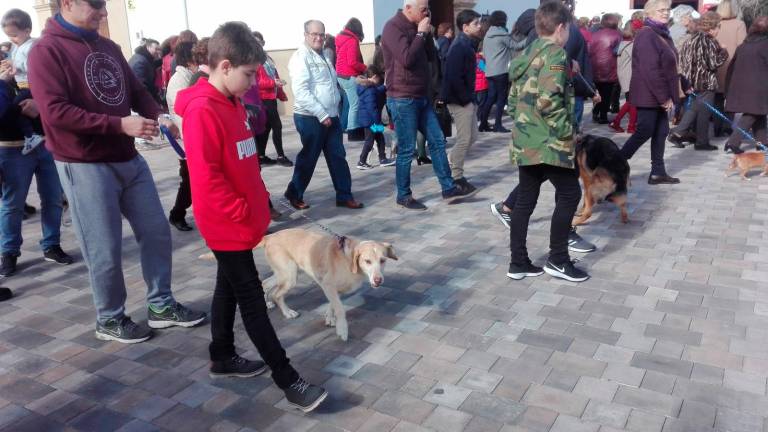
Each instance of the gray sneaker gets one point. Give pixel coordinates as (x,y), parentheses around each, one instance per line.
(578,244)
(305,396)
(174,315)
(498,211)
(123,330)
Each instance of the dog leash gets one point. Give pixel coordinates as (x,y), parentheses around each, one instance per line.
(175,144)
(584,80)
(725,118)
(340,239)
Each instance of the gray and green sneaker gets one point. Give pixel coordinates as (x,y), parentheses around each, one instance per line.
(173,315)
(123,330)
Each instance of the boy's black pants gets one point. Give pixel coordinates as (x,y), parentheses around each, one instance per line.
(568,195)
(238,284)
(183,195)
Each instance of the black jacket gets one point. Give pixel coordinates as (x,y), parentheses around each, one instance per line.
(459,74)
(747,88)
(143,66)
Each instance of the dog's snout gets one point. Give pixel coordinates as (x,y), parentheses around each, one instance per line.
(377,280)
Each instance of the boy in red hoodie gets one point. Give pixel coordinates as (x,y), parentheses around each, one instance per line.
(231,210)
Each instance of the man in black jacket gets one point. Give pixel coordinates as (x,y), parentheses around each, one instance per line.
(144,65)
(458,89)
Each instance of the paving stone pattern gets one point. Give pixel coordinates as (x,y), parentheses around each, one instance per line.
(668,335)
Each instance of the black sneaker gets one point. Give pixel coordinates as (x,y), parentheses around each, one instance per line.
(283,161)
(566,271)
(123,331)
(518,272)
(504,217)
(305,396)
(55,254)
(29,210)
(676,141)
(5,294)
(578,244)
(266,161)
(460,190)
(180,224)
(387,162)
(8,264)
(411,204)
(173,315)
(237,367)
(501,129)
(363,166)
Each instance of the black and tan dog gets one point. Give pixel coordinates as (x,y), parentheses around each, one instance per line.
(604,173)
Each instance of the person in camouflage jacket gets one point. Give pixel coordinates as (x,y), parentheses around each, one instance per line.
(541,102)
(541,105)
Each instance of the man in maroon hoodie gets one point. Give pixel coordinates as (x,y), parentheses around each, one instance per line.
(86,91)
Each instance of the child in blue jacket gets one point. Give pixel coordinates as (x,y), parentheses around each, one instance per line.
(372,96)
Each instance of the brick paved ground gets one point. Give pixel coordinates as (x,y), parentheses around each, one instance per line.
(668,335)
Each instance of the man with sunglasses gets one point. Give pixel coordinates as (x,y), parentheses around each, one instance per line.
(408,48)
(86,92)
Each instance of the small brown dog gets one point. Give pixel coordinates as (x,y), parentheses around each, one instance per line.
(747,161)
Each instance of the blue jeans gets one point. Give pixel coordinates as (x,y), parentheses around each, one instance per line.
(16,171)
(349,103)
(316,138)
(100,194)
(411,115)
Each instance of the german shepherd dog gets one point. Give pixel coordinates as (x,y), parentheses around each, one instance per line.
(604,173)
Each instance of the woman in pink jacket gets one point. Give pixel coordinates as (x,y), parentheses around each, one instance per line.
(349,65)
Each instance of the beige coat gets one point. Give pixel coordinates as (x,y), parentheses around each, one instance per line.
(732,34)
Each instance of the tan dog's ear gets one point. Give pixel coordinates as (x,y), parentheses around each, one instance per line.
(389,251)
(355,259)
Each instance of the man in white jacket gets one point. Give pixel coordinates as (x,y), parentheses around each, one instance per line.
(316,116)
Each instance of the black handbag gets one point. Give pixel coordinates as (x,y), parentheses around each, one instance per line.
(443,118)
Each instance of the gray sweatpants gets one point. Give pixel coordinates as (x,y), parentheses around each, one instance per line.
(99,195)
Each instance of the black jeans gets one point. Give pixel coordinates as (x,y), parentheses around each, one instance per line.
(721,127)
(498,89)
(567,197)
(370,137)
(699,115)
(600,111)
(273,124)
(183,196)
(653,124)
(755,122)
(238,284)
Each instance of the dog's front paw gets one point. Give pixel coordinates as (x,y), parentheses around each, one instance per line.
(342,330)
(330,320)
(291,314)
(270,304)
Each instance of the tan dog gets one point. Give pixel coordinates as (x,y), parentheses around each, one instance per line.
(338,265)
(747,161)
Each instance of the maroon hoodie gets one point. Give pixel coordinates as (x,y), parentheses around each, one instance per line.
(83,89)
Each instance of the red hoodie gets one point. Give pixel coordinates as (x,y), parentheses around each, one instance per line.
(83,89)
(230,200)
(349,59)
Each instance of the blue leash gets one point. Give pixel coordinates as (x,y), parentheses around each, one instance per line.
(746,134)
(175,144)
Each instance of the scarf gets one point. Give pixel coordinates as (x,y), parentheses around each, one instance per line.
(658,27)
(88,35)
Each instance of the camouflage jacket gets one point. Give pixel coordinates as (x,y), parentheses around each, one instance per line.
(541,105)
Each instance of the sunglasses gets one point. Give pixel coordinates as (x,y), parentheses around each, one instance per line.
(97,4)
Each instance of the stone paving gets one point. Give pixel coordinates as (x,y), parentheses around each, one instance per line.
(668,335)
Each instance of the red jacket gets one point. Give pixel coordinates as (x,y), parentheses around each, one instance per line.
(602,54)
(481,81)
(230,200)
(268,90)
(166,69)
(349,59)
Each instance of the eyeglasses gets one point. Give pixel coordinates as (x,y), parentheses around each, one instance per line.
(97,4)
(314,35)
(664,11)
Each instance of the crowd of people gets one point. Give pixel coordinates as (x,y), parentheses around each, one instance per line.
(218,96)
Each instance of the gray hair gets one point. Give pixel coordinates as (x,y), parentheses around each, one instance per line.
(310,22)
(651,4)
(409,2)
(681,12)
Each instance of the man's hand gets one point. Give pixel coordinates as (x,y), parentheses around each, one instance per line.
(424,25)
(596,99)
(575,66)
(280,82)
(5,74)
(172,128)
(668,105)
(139,127)
(29,108)
(327,122)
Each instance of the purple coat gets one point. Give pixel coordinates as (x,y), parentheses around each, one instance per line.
(654,70)
(602,53)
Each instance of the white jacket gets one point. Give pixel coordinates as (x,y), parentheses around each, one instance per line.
(179,81)
(313,81)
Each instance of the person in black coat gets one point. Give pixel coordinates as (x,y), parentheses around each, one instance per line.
(747,86)
(143,63)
